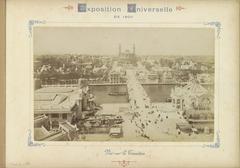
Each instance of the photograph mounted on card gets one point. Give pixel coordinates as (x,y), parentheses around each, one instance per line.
(117,84)
(122,83)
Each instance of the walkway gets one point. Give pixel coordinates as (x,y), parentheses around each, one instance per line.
(150,120)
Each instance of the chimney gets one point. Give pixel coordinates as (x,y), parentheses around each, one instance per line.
(79,101)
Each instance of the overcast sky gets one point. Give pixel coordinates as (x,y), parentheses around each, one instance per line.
(148,41)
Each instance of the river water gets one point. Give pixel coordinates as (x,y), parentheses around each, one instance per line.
(157,93)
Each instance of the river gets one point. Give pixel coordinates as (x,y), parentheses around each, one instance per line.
(157,93)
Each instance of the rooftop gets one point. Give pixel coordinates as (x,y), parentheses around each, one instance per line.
(191,89)
(55,90)
(55,100)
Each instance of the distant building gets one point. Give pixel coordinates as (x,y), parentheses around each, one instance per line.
(168,77)
(205,78)
(127,57)
(187,65)
(115,77)
(87,65)
(165,74)
(152,76)
(117,74)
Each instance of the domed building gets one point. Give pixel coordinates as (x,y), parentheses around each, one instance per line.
(192,96)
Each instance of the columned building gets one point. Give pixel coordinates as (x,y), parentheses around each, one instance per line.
(115,77)
(191,96)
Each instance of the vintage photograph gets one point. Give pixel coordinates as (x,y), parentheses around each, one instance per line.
(134,84)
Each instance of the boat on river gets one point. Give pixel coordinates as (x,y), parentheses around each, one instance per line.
(117,93)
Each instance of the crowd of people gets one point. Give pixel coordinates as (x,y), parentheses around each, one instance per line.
(146,116)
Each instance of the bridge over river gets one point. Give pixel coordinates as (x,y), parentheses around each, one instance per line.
(138,98)
(148,119)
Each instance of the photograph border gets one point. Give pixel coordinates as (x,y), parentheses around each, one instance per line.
(216,25)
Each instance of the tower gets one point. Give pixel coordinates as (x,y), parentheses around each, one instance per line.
(119,50)
(133,49)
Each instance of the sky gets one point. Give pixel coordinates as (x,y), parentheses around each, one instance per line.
(105,41)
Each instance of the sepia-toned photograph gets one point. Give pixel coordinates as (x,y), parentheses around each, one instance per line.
(141,84)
